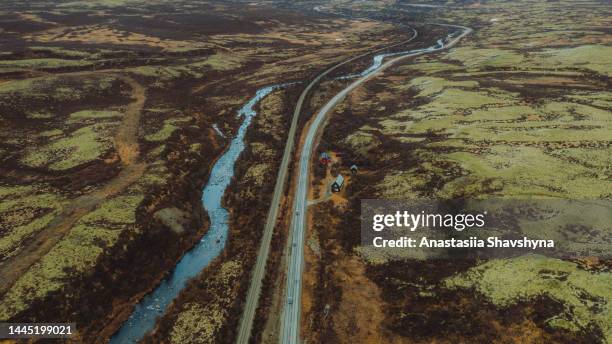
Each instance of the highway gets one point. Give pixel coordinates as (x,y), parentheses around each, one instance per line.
(290,321)
(252,300)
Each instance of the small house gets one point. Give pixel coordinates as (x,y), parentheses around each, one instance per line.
(324,158)
(336,186)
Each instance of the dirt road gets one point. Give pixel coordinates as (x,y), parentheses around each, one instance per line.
(126,143)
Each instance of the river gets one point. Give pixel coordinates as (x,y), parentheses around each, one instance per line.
(152,306)
(377,60)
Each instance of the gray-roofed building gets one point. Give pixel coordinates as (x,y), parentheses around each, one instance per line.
(336,186)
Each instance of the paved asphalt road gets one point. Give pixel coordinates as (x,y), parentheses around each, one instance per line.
(246,322)
(290,326)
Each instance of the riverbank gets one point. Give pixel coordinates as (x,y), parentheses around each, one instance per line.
(214,299)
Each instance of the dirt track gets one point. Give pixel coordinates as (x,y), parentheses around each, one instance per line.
(126,139)
(126,144)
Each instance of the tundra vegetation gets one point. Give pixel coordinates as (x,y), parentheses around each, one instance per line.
(209,309)
(519,109)
(108,112)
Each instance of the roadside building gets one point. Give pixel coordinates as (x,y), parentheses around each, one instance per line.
(336,186)
(324,158)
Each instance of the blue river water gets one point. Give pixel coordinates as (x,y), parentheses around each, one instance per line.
(152,306)
(211,244)
(377,60)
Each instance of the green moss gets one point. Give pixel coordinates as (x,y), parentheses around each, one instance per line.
(474,57)
(193,69)
(166,73)
(195,147)
(492,136)
(9,191)
(527,170)
(157,151)
(156,174)
(593,57)
(197,324)
(587,296)
(120,209)
(25,210)
(399,184)
(69,256)
(167,129)
(599,99)
(257,173)
(55,88)
(362,142)
(200,323)
(461,99)
(14,197)
(62,51)
(431,85)
(76,254)
(158,110)
(83,145)
(94,3)
(220,62)
(12,241)
(431,67)
(19,85)
(87,114)
(43,63)
(500,113)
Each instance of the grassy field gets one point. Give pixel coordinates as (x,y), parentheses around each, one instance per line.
(520,109)
(108,111)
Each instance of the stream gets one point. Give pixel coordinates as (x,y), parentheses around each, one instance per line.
(377,60)
(152,306)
